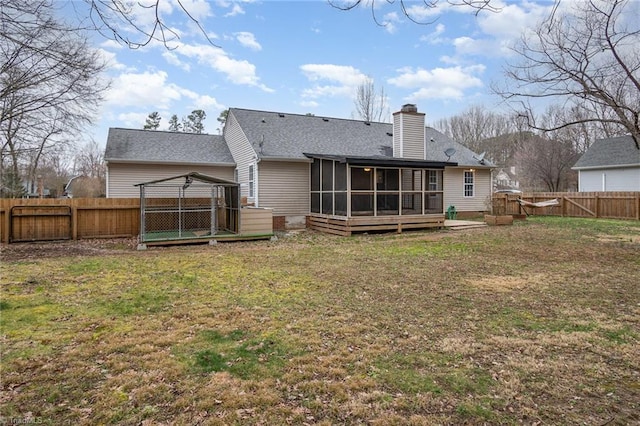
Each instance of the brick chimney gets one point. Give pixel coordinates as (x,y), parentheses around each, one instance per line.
(408,133)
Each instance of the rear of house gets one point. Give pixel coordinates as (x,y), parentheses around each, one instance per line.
(309,167)
(368,169)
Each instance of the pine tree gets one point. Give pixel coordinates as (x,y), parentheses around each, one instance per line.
(153,121)
(194,122)
(174,124)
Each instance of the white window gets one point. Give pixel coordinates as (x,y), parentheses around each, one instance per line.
(433,180)
(252,181)
(468,183)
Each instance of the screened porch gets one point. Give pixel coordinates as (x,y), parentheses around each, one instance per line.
(358,194)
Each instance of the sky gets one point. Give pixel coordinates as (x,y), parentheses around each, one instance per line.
(306,56)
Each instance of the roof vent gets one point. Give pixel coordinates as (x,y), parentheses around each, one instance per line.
(281,115)
(263,120)
(325,119)
(409,108)
(367,123)
(389,134)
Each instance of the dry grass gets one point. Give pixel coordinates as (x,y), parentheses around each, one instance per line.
(537,323)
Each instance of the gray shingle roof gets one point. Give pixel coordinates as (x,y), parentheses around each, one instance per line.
(283,135)
(610,152)
(153,146)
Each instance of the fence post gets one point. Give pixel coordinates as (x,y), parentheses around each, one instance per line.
(638,206)
(74,221)
(563,208)
(597,208)
(7,224)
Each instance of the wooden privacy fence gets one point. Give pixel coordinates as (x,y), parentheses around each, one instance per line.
(64,218)
(607,205)
(70,219)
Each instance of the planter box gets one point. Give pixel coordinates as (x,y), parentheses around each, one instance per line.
(498,220)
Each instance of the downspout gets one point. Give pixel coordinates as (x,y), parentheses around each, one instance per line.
(256,198)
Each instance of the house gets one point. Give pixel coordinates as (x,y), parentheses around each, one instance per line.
(323,172)
(505,180)
(611,164)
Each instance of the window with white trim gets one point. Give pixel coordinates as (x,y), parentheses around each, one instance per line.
(252,181)
(468,183)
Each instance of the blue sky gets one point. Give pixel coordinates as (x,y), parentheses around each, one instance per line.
(309,57)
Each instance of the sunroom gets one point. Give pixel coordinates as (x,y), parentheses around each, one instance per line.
(362,194)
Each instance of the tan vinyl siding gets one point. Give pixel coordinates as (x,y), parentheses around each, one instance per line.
(408,135)
(284,186)
(454,190)
(122,176)
(243,153)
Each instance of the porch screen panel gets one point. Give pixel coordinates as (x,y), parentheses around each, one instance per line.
(411,202)
(361,179)
(315,175)
(327,175)
(361,204)
(327,203)
(433,203)
(387,204)
(340,207)
(315,202)
(387,180)
(341,176)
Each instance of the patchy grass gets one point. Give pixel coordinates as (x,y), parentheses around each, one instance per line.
(538,322)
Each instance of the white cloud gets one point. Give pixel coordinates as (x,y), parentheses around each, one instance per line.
(133,120)
(499,31)
(345,80)
(207,102)
(111,44)
(144,90)
(247,39)
(239,72)
(173,59)
(198,9)
(390,20)
(438,83)
(236,9)
(434,36)
(111,60)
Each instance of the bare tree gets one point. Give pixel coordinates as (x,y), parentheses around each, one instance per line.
(412,9)
(545,160)
(91,170)
(586,57)
(481,130)
(545,164)
(370,106)
(50,84)
(136,24)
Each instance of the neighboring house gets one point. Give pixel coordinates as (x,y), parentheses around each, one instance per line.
(301,165)
(611,164)
(506,179)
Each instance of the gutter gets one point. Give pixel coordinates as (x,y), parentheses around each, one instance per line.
(608,166)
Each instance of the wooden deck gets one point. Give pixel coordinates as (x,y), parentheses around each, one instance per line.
(346,226)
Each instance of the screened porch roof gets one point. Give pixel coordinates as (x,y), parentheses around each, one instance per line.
(382,161)
(194,176)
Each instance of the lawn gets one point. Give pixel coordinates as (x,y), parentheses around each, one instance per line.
(535,323)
